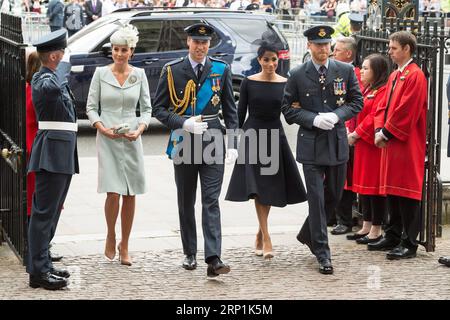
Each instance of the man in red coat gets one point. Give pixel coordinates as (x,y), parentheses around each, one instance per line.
(400,123)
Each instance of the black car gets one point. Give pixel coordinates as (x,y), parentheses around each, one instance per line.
(162,39)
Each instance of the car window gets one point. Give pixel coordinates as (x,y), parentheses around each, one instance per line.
(250,31)
(153,36)
(91,27)
(91,40)
(178,36)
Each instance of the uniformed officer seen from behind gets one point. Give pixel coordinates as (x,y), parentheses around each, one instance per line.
(53,157)
(320,96)
(190,94)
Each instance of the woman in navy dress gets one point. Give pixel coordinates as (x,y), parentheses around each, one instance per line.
(275,183)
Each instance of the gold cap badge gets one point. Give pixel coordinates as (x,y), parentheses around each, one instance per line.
(322,33)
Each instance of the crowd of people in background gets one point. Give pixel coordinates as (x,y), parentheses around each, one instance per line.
(70,12)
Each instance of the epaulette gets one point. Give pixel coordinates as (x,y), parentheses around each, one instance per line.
(171,63)
(45,75)
(218,60)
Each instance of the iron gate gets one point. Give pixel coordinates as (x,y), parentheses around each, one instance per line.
(13,206)
(429,56)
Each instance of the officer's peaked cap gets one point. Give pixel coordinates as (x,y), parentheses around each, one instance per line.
(200,31)
(319,34)
(53,41)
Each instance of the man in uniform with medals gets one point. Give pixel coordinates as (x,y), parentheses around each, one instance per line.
(320,96)
(191,91)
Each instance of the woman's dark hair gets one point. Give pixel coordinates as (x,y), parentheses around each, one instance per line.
(380,68)
(33,66)
(264,47)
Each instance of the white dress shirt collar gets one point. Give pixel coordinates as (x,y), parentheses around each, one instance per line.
(404,66)
(195,63)
(317,66)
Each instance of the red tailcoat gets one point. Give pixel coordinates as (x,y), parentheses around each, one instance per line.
(31,130)
(403,160)
(366,167)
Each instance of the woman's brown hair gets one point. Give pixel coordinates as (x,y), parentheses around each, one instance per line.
(380,68)
(33,66)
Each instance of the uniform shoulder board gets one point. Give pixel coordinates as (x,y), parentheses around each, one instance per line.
(171,63)
(44,76)
(217,60)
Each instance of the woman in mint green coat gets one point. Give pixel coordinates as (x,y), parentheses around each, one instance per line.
(114,93)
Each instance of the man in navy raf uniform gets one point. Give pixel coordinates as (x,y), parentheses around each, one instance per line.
(190,94)
(320,96)
(53,157)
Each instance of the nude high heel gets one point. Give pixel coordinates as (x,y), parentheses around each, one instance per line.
(267,249)
(110,258)
(122,261)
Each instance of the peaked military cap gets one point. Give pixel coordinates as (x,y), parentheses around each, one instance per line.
(200,31)
(356,18)
(53,41)
(319,34)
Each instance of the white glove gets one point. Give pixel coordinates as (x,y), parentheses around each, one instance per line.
(195,125)
(331,116)
(231,157)
(323,123)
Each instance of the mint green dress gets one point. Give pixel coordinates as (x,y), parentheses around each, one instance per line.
(120,162)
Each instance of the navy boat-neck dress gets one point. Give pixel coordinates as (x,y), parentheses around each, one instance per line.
(262,100)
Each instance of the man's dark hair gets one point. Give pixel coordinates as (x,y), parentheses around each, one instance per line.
(405,38)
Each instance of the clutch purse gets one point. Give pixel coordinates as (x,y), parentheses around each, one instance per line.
(121,128)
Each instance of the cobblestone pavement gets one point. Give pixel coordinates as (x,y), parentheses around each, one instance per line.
(292,274)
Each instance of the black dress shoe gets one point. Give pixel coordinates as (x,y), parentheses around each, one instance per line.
(445,261)
(216,268)
(367,240)
(356,236)
(401,252)
(383,244)
(325,266)
(47,281)
(190,263)
(60,273)
(54,257)
(341,229)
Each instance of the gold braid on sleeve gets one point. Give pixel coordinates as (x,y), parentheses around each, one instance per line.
(180,105)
